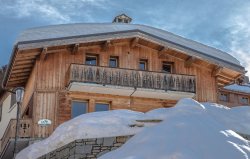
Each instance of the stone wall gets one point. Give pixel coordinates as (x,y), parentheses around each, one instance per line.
(87,148)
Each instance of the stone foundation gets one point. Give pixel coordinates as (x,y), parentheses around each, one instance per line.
(87,148)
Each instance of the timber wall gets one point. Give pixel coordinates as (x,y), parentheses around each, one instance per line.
(52,100)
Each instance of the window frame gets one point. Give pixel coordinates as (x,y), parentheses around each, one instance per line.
(226,95)
(1,111)
(240,100)
(92,55)
(83,101)
(12,100)
(102,103)
(145,61)
(117,61)
(171,64)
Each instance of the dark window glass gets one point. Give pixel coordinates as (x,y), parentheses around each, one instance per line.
(244,100)
(1,108)
(78,108)
(224,97)
(101,107)
(91,60)
(167,68)
(143,65)
(13,99)
(113,62)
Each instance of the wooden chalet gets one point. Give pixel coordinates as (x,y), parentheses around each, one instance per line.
(71,69)
(235,95)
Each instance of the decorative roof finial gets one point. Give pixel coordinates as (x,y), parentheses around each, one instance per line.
(122,18)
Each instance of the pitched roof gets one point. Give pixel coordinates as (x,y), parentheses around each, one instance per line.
(69,31)
(245,88)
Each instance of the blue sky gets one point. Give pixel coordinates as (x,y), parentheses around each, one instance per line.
(223,24)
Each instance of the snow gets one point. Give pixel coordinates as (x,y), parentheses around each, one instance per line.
(187,132)
(190,130)
(239,88)
(90,125)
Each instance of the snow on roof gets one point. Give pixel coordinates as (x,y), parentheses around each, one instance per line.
(89,29)
(185,134)
(189,130)
(239,88)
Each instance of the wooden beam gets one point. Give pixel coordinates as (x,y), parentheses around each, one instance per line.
(23,66)
(21,70)
(162,51)
(106,45)
(75,49)
(190,60)
(134,42)
(43,54)
(20,74)
(216,71)
(23,62)
(23,55)
(18,78)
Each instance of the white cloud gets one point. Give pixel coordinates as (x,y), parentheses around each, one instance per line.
(240,35)
(52,11)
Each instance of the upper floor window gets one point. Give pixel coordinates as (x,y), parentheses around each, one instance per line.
(244,100)
(101,107)
(167,67)
(91,60)
(13,99)
(1,108)
(78,108)
(224,97)
(113,61)
(143,64)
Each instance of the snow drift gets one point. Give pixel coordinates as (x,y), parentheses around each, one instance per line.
(190,130)
(187,132)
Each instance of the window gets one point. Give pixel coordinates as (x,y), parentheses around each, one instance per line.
(143,65)
(13,99)
(101,107)
(1,108)
(167,67)
(243,100)
(224,97)
(91,60)
(113,61)
(78,108)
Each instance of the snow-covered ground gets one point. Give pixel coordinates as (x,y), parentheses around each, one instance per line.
(245,88)
(190,130)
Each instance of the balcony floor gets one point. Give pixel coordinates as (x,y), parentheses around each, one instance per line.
(128,91)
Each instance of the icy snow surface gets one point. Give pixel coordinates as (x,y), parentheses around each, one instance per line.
(239,88)
(190,130)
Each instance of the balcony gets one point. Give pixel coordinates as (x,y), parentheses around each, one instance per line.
(127,82)
(7,141)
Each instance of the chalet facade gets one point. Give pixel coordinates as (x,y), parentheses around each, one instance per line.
(234,95)
(68,70)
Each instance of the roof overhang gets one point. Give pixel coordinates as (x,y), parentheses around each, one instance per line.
(45,43)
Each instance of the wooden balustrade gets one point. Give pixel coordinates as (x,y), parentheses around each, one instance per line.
(25,131)
(130,78)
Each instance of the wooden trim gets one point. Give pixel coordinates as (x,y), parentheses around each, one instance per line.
(189,61)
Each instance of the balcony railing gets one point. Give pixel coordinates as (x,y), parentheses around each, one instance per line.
(25,131)
(130,78)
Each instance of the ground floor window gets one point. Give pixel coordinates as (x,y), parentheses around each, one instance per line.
(244,100)
(78,108)
(224,97)
(101,107)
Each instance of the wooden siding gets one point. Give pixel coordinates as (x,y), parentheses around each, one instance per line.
(233,98)
(45,108)
(53,101)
